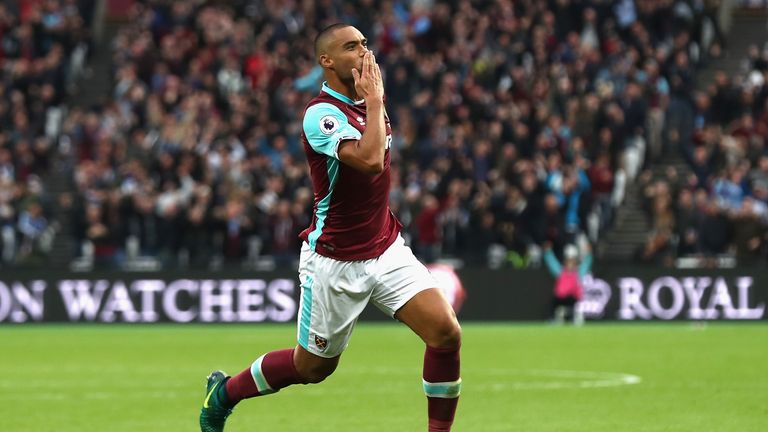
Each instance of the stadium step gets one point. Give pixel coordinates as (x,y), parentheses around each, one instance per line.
(100,84)
(748,27)
(627,237)
(89,92)
(618,252)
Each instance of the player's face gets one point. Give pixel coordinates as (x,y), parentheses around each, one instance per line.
(347,52)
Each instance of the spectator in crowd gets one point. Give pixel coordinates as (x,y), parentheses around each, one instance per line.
(427,223)
(32,226)
(235,226)
(568,288)
(601,178)
(659,246)
(687,221)
(101,235)
(284,233)
(551,226)
(714,231)
(749,233)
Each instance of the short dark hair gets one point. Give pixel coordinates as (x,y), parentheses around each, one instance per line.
(324,34)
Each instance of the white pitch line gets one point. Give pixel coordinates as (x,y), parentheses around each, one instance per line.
(596,380)
(581,380)
(626,379)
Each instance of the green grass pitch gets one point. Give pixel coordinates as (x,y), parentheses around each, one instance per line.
(517,377)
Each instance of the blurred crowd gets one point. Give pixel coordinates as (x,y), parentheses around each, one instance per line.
(43,49)
(516,123)
(757,4)
(718,207)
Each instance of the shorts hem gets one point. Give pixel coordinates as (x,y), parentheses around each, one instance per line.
(326,355)
(404,300)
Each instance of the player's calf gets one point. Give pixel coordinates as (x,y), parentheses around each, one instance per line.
(442,385)
(268,374)
(441,377)
(433,319)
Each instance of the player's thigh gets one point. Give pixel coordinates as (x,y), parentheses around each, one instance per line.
(430,316)
(400,276)
(407,291)
(333,294)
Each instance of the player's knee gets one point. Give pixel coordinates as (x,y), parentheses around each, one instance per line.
(318,376)
(313,374)
(447,335)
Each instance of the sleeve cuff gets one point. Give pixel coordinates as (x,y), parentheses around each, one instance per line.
(338,142)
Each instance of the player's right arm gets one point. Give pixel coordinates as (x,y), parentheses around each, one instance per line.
(367,154)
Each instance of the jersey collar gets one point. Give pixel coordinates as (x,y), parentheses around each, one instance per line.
(340,96)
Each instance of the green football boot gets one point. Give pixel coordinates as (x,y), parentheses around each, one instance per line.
(215,410)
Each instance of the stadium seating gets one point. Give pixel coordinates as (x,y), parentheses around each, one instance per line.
(515,124)
(43,46)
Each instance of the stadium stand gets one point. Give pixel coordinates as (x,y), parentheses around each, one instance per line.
(43,48)
(516,123)
(714,212)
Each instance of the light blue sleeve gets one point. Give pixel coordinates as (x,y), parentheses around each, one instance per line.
(586,265)
(552,264)
(325,126)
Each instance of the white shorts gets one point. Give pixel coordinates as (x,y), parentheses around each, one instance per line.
(334,293)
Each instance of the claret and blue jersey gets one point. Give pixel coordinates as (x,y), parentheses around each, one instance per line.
(352,220)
